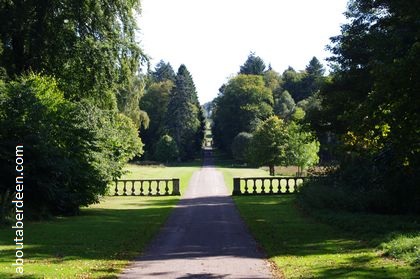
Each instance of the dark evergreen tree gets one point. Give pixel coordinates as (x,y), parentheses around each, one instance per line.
(163,71)
(254,65)
(315,68)
(184,116)
(312,80)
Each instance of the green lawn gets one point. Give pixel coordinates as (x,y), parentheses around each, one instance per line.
(101,241)
(339,246)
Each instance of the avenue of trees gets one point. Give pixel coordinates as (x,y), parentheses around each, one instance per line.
(73,94)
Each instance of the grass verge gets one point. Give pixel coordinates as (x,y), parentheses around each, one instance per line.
(101,241)
(335,247)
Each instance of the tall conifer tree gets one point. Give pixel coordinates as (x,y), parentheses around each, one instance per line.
(183,118)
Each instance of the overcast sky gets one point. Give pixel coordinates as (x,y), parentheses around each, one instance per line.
(213,38)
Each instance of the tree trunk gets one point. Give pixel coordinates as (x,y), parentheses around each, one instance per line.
(271,167)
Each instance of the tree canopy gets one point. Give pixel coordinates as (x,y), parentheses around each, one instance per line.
(244,102)
(90,47)
(270,143)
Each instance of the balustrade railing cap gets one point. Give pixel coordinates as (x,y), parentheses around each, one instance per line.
(147,179)
(272,177)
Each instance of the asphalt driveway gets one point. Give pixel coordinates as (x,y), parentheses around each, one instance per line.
(204,237)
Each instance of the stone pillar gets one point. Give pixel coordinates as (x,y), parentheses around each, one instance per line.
(175,191)
(236,186)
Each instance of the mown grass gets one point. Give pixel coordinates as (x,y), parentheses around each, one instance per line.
(101,241)
(323,244)
(406,247)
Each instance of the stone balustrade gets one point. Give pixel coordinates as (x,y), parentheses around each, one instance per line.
(272,185)
(147,187)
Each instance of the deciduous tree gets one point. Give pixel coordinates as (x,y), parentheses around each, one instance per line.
(89,46)
(72,150)
(269,146)
(155,103)
(242,104)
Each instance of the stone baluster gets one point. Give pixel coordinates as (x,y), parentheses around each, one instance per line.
(262,186)
(279,189)
(133,190)
(287,187)
(116,188)
(141,189)
(254,186)
(166,188)
(157,188)
(295,186)
(271,186)
(125,189)
(150,188)
(246,187)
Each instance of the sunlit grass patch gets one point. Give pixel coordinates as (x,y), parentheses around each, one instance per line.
(406,247)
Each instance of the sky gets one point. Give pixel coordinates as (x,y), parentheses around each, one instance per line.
(213,38)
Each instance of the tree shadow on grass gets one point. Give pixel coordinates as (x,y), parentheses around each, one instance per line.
(363,267)
(4,275)
(330,252)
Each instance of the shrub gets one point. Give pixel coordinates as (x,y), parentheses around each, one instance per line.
(404,247)
(367,185)
(240,146)
(71,150)
(166,149)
